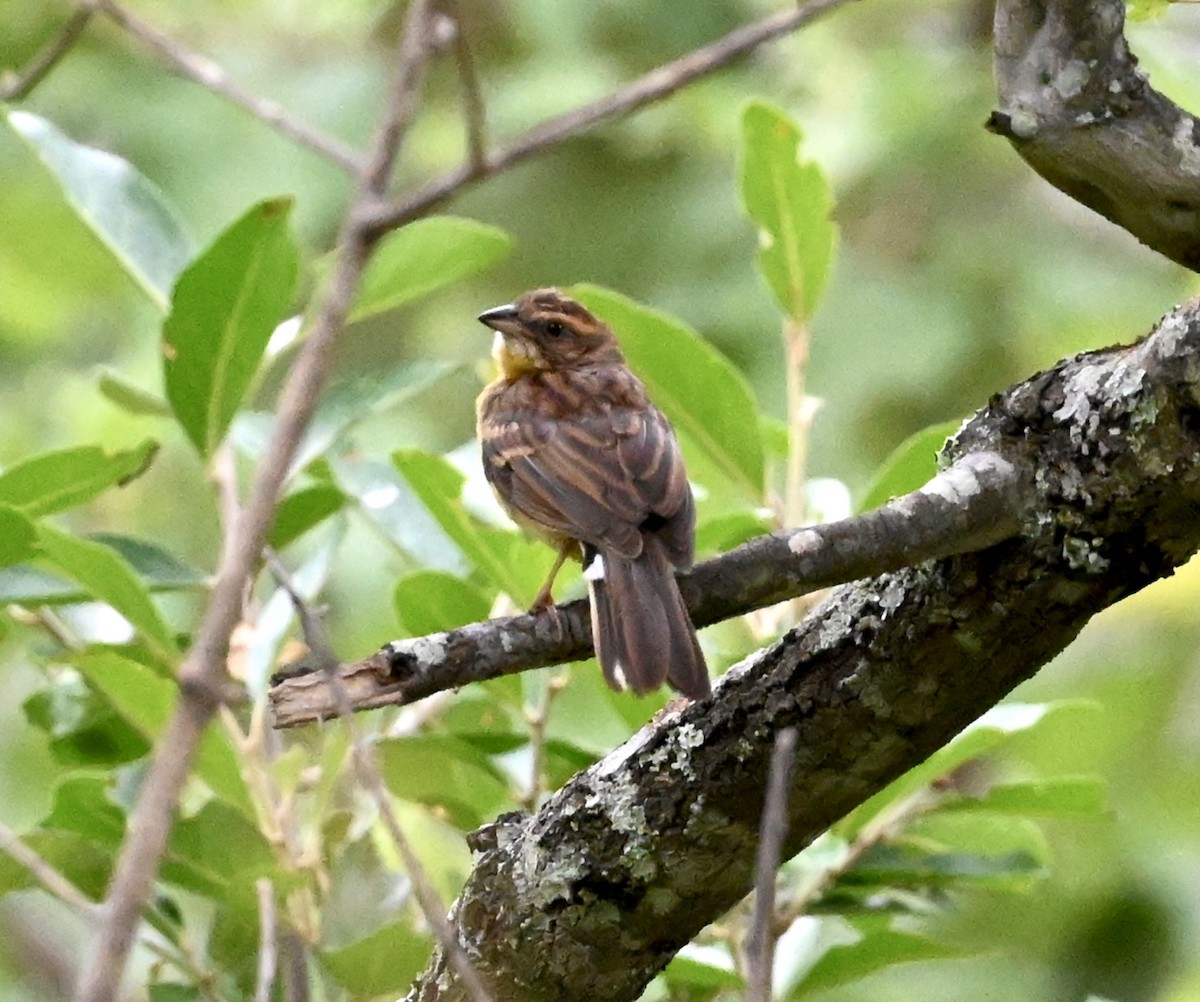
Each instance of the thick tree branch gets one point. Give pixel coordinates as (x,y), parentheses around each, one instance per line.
(593,894)
(976,503)
(1079,111)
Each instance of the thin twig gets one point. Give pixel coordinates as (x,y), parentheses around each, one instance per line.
(369,777)
(17,84)
(201,671)
(654,86)
(474,111)
(46,874)
(537,719)
(772,830)
(268,947)
(211,76)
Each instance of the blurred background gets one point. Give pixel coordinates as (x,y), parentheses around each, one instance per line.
(959,273)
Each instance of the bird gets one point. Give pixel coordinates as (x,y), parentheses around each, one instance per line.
(580,458)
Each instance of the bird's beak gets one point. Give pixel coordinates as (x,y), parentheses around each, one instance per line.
(501,318)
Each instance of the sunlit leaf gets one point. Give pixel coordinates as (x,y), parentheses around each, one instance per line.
(123,209)
(708,401)
(910,466)
(225,306)
(55,481)
(425,256)
(790,200)
(108,577)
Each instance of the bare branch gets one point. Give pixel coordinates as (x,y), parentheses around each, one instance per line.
(772,830)
(202,669)
(472,96)
(1076,107)
(46,874)
(974,504)
(268,945)
(17,84)
(211,76)
(654,86)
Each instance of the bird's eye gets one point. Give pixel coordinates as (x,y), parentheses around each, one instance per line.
(554,328)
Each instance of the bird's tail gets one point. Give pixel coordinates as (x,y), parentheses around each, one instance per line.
(640,626)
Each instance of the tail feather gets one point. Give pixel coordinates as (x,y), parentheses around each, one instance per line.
(640,626)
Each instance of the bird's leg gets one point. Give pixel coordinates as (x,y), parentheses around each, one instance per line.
(545,597)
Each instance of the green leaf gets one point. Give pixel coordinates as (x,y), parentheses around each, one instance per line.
(346,403)
(790,200)
(18,536)
(910,466)
(878,946)
(107,576)
(158,569)
(130,397)
(56,481)
(83,729)
(385,962)
(1074,796)
(301,511)
(81,805)
(507,560)
(145,700)
(425,256)
(708,401)
(84,864)
(390,505)
(225,306)
(432,601)
(986,733)
(465,783)
(687,975)
(123,209)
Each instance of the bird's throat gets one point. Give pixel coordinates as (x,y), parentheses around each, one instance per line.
(514,357)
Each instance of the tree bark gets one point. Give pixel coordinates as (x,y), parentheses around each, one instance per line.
(593,894)
(1076,107)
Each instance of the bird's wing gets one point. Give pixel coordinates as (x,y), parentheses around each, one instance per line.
(597,477)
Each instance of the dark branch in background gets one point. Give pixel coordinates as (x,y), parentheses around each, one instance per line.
(1077,109)
(203,668)
(16,85)
(654,86)
(976,503)
(631,858)
(474,112)
(772,830)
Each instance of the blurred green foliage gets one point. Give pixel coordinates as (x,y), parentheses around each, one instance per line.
(957,272)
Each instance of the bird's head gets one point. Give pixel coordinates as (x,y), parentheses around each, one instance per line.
(543,330)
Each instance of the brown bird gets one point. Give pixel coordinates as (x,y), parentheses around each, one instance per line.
(580,458)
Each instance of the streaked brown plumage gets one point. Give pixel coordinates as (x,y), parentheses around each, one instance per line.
(580,458)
